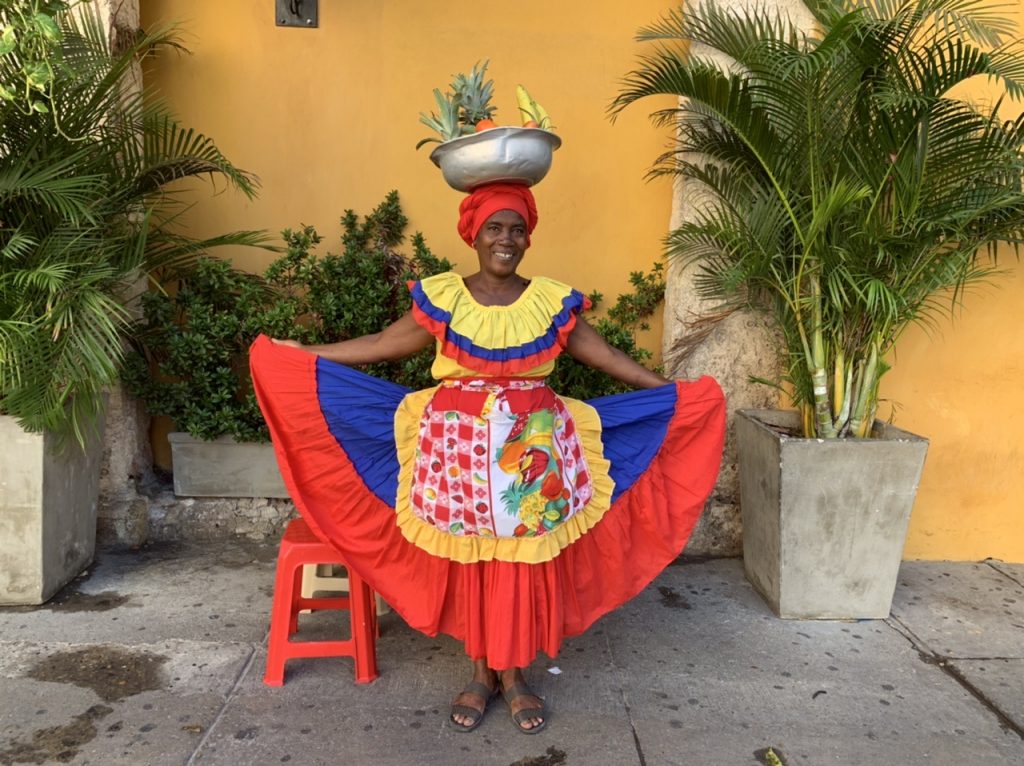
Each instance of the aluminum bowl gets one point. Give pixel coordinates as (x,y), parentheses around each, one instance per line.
(506,155)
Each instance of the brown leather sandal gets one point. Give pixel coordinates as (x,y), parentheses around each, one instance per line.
(519,690)
(475,716)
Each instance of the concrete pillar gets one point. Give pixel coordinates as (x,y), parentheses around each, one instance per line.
(123,514)
(731,349)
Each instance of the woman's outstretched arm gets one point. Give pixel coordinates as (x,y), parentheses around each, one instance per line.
(586,346)
(400,339)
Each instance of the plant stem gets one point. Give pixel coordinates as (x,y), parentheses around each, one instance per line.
(860,424)
(819,377)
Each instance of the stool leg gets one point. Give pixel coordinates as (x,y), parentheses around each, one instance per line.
(363,619)
(293,614)
(282,616)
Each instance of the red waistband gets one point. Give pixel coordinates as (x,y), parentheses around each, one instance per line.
(475,395)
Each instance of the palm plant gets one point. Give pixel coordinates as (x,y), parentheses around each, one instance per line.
(84,210)
(848,191)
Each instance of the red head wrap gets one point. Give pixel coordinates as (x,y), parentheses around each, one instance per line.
(487,200)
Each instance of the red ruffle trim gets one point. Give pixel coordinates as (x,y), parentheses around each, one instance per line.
(490,367)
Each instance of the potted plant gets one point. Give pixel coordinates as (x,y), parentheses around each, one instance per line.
(85,157)
(845,189)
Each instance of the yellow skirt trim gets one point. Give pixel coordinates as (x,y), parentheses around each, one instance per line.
(526,550)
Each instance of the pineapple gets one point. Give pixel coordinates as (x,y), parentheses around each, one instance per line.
(447,122)
(474,97)
(464,110)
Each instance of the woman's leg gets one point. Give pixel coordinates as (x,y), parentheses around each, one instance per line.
(481,675)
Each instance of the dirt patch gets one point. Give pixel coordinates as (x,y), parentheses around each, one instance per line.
(552,757)
(112,673)
(72,600)
(241,554)
(672,599)
(58,744)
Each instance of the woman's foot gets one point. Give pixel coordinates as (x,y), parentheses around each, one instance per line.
(469,707)
(527,708)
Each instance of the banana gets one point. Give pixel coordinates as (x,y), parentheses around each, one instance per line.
(542,116)
(531,110)
(525,104)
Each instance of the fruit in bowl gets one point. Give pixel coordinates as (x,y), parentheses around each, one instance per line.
(473,150)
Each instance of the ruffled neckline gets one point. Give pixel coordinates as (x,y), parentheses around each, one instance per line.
(523,296)
(497,340)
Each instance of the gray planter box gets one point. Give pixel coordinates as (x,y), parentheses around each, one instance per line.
(224,468)
(824,521)
(47,512)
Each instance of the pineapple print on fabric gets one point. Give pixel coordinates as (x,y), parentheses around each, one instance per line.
(538,473)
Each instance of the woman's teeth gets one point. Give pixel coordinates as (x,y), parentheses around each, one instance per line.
(504,256)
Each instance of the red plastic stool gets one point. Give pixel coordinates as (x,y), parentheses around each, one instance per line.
(299,547)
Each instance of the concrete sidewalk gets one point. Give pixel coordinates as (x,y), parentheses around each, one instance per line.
(156,657)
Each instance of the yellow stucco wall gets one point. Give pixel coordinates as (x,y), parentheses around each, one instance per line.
(328,119)
(961,385)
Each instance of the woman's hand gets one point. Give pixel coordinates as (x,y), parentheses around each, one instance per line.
(287,342)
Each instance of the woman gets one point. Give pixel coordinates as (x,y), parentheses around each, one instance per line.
(487,508)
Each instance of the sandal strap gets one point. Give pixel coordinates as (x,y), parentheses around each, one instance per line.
(480,690)
(517,690)
(526,714)
(471,713)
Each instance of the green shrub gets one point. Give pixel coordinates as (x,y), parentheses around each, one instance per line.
(86,168)
(192,364)
(629,314)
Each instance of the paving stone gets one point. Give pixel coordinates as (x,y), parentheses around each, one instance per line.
(718,676)
(89,707)
(696,670)
(214,593)
(1001,682)
(402,717)
(961,610)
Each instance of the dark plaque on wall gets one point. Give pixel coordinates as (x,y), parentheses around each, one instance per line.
(297,13)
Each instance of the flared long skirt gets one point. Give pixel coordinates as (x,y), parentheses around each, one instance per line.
(657,451)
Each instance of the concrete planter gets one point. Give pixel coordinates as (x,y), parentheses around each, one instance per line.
(224,468)
(824,521)
(47,512)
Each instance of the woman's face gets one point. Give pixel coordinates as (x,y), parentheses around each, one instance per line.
(501,242)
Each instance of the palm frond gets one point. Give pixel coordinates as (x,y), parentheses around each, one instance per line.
(836,179)
(83,212)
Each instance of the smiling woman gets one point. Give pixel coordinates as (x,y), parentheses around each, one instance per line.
(488,507)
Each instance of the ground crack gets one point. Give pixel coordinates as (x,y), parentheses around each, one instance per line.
(945,664)
(629,712)
(994,565)
(228,699)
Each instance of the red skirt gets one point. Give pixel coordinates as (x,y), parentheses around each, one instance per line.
(334,430)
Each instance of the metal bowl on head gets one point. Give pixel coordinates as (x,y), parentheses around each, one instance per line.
(499,155)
